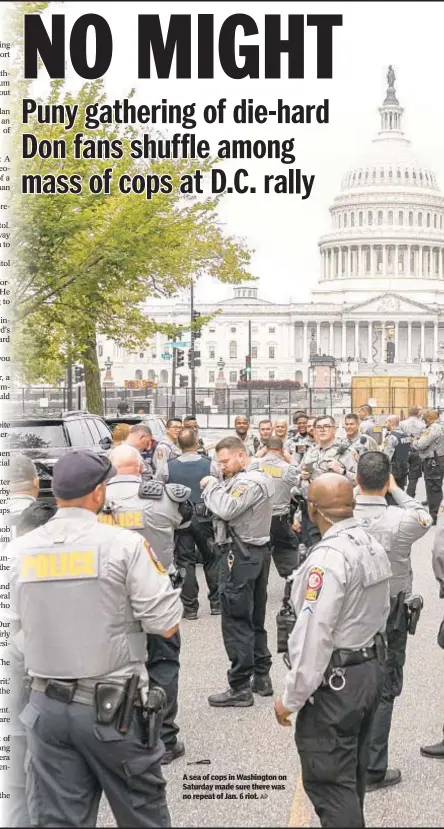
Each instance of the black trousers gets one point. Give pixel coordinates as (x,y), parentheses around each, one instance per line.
(198,534)
(310,532)
(433,477)
(163,670)
(243,596)
(71,760)
(393,681)
(415,472)
(400,472)
(332,737)
(284,545)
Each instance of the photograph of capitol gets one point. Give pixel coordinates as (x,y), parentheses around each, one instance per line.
(376,311)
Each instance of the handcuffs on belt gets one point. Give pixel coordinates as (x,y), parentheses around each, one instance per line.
(337,673)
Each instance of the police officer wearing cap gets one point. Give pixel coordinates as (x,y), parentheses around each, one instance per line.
(243,504)
(284,542)
(155,511)
(430,445)
(340,596)
(396,446)
(85,595)
(396,527)
(189,469)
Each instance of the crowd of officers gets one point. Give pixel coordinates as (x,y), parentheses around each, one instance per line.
(101,581)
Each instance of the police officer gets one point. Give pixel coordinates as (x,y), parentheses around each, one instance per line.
(244,503)
(430,445)
(413,426)
(284,542)
(281,431)
(167,448)
(328,455)
(436,750)
(340,596)
(190,422)
(361,443)
(265,428)
(302,439)
(85,595)
(396,528)
(294,430)
(155,511)
(189,469)
(396,446)
(140,437)
(242,429)
(368,424)
(23,487)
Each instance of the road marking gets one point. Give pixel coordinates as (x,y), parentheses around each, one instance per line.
(300,814)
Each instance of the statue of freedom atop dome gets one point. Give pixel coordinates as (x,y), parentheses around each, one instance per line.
(391,77)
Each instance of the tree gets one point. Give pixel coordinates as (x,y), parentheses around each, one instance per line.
(86,262)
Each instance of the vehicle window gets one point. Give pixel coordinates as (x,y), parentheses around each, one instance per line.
(36,440)
(92,426)
(101,428)
(157,427)
(79,434)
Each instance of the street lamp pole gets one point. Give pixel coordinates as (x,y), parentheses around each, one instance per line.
(192,366)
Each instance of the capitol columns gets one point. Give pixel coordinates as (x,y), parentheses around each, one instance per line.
(344,341)
(305,343)
(370,341)
(422,340)
(357,340)
(409,342)
(396,342)
(331,341)
(435,340)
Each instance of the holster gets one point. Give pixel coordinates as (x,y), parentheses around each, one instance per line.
(239,545)
(61,690)
(152,715)
(108,698)
(381,648)
(414,606)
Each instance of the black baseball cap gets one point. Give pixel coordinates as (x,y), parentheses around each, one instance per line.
(79,472)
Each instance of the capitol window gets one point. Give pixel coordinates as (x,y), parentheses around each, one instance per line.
(398,173)
(390,217)
(272,330)
(100,350)
(370,217)
(212,330)
(379,259)
(414,174)
(153,354)
(390,174)
(233,351)
(141,355)
(211,375)
(401,260)
(138,375)
(211,352)
(380,217)
(271,352)
(381,174)
(271,375)
(435,221)
(345,220)
(368,260)
(361,218)
(400,217)
(420,219)
(352,219)
(339,219)
(374,175)
(233,330)
(411,219)
(254,352)
(233,376)
(406,173)
(428,219)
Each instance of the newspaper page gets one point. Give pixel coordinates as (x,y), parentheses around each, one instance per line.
(221,308)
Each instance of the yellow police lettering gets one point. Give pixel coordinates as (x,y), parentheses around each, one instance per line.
(61,565)
(273,471)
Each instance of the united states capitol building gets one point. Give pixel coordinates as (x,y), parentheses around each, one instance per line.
(378,307)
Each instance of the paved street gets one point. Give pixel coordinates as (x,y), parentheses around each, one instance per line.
(248,741)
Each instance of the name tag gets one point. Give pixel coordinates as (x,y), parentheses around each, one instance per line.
(131,520)
(60,565)
(273,471)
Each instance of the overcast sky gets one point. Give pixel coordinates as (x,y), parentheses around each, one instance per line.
(283,229)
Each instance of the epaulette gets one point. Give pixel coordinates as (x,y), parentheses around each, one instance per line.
(178,492)
(152,490)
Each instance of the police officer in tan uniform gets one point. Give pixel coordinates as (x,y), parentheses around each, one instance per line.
(435,751)
(167,448)
(243,504)
(340,596)
(430,445)
(155,511)
(85,595)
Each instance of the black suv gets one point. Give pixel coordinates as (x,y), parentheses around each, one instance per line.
(46,439)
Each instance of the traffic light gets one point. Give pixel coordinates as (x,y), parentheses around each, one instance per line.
(183,381)
(197,361)
(243,375)
(194,360)
(79,374)
(197,331)
(180,357)
(248,366)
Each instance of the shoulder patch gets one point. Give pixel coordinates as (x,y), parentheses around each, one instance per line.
(153,558)
(177,492)
(239,490)
(159,454)
(315,584)
(152,490)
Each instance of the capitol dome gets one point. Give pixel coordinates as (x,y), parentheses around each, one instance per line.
(387,221)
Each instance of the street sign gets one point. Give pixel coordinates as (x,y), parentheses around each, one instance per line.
(178,345)
(166,356)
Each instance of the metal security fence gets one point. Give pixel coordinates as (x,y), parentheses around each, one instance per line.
(214,407)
